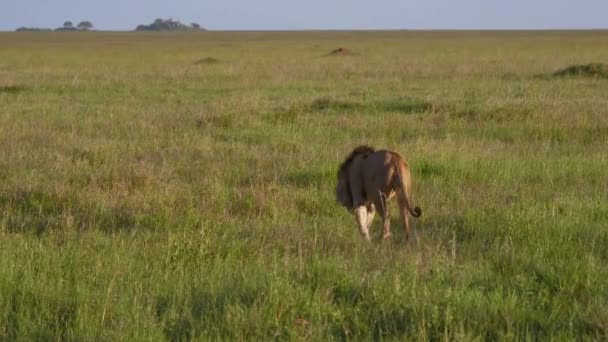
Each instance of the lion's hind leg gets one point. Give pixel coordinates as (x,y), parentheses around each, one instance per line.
(381,202)
(371,212)
(362,220)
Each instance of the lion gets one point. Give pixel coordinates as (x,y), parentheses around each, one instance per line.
(367,179)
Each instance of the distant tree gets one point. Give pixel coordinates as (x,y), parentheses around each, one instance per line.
(168,25)
(159,21)
(67,26)
(85,25)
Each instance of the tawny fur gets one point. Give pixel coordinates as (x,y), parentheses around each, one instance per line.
(367,180)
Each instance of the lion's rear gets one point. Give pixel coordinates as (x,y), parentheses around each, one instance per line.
(404,185)
(343,191)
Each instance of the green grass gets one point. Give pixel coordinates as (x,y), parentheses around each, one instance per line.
(179,186)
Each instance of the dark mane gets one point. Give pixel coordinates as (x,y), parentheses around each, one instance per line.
(343,194)
(363,149)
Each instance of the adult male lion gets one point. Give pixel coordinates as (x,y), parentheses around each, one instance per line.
(367,179)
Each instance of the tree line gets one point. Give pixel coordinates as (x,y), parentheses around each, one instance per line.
(157,25)
(67,26)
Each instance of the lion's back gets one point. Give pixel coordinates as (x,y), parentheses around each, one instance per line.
(378,170)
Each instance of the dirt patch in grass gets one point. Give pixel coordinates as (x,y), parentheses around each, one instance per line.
(595,70)
(340,52)
(207,61)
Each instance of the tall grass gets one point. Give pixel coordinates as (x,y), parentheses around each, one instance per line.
(145,195)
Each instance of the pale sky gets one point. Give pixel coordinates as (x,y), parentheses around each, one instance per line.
(311,14)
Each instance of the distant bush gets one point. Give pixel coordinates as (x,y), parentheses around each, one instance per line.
(66,29)
(168,25)
(23,28)
(589,70)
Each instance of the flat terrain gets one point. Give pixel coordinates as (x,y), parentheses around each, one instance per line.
(181,186)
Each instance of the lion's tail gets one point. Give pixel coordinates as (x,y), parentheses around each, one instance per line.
(403,191)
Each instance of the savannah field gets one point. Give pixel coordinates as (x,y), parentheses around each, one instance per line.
(180,186)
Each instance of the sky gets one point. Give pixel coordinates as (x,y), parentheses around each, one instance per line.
(311,14)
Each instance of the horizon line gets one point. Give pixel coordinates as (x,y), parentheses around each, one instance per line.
(203,29)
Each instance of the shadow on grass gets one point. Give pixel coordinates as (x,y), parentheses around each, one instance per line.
(377,316)
(185,318)
(39,212)
(310,177)
(207,61)
(593,70)
(404,105)
(26,309)
(328,105)
(12,89)
(401,105)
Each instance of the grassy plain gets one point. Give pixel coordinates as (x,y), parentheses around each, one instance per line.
(180,186)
